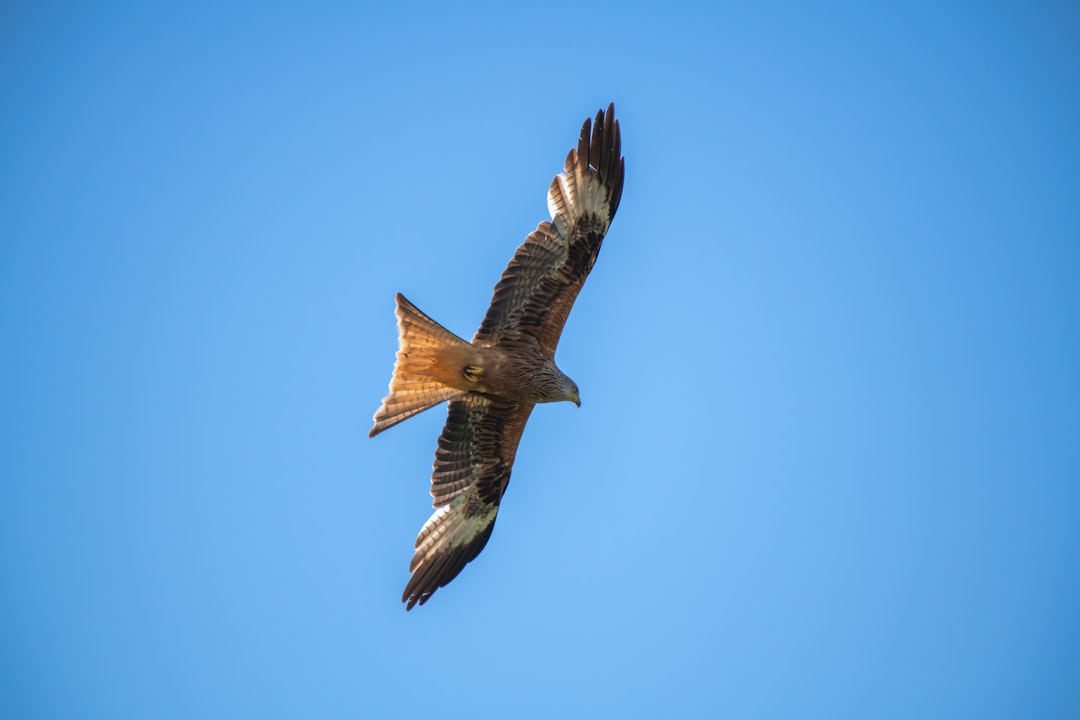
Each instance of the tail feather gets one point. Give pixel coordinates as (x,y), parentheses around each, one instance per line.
(420,373)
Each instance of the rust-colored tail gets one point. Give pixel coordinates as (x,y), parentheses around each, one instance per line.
(425,351)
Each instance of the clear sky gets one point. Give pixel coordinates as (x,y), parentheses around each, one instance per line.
(828,459)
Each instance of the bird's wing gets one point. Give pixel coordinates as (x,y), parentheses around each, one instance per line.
(472,468)
(533,298)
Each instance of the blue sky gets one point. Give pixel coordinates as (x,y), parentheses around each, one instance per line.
(827,462)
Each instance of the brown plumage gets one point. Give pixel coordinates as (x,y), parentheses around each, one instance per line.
(493,382)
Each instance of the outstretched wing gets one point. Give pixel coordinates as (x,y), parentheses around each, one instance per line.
(533,298)
(472,468)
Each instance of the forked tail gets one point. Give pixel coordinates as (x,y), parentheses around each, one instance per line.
(424,363)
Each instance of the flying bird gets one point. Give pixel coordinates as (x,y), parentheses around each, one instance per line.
(493,382)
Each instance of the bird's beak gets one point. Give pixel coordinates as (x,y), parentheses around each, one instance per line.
(577,400)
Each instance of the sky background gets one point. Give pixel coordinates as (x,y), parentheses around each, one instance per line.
(828,458)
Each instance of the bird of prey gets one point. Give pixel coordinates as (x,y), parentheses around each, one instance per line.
(493,382)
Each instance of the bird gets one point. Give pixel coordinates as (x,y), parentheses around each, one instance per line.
(492,383)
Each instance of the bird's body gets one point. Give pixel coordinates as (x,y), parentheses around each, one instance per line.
(493,382)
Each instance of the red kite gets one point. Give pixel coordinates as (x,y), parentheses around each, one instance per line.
(493,382)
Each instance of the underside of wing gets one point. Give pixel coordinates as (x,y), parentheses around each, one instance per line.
(537,290)
(472,468)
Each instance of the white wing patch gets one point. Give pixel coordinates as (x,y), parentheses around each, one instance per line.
(453,526)
(573,195)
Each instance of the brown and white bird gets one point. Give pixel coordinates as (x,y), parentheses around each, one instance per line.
(493,382)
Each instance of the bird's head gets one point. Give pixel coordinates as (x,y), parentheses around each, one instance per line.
(553,385)
(568,389)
